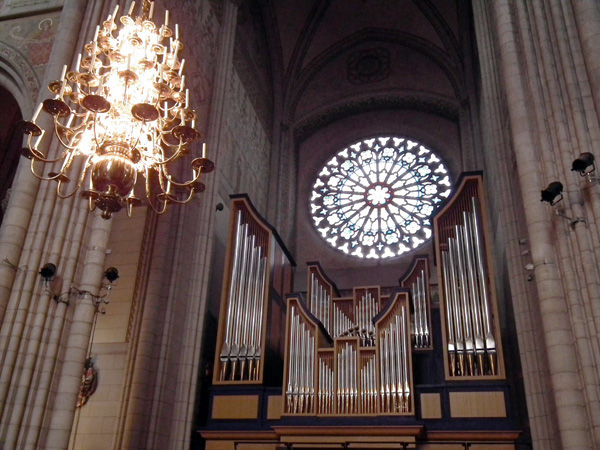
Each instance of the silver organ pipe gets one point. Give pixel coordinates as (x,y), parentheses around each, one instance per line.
(356,375)
(417,280)
(300,386)
(242,336)
(395,389)
(325,386)
(488,330)
(341,322)
(351,373)
(366,308)
(469,316)
(368,384)
(347,387)
(241,352)
(320,298)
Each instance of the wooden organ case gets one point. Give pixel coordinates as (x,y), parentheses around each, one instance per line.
(418,365)
(258,274)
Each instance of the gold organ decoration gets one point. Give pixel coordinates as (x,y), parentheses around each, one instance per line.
(122,115)
(468,303)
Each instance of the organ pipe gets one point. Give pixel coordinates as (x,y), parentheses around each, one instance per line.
(469,309)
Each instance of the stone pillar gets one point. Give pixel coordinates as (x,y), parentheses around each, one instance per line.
(587,16)
(63,408)
(500,179)
(25,186)
(31,214)
(149,390)
(573,420)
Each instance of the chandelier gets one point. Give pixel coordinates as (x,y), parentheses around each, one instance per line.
(122,116)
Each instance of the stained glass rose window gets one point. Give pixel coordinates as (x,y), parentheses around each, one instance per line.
(374,199)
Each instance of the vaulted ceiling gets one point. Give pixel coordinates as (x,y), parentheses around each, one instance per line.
(329,56)
(334,71)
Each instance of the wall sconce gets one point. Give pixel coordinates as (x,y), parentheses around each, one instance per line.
(584,164)
(553,193)
(47,272)
(111,274)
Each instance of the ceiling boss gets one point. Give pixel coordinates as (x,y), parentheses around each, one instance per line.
(122,117)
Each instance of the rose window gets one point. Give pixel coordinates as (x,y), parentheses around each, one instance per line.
(374,199)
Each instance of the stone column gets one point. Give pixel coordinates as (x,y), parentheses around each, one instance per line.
(24,233)
(63,408)
(147,375)
(499,179)
(573,420)
(187,383)
(25,186)
(587,16)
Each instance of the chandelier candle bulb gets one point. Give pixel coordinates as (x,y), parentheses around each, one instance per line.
(62,88)
(166,18)
(93,53)
(121,116)
(113,17)
(37,142)
(37,113)
(39,139)
(204,150)
(176,32)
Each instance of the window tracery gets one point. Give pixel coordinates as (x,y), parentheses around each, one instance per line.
(374,199)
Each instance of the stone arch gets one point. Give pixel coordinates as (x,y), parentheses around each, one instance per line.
(18,78)
(19,89)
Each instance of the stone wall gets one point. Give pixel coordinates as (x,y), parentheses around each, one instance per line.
(246,149)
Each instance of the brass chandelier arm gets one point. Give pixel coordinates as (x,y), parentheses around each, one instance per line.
(177,153)
(174,182)
(79,181)
(151,201)
(69,146)
(123,109)
(183,202)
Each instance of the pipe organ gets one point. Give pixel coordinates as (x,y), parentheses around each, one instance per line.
(257,264)
(363,370)
(470,318)
(418,363)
